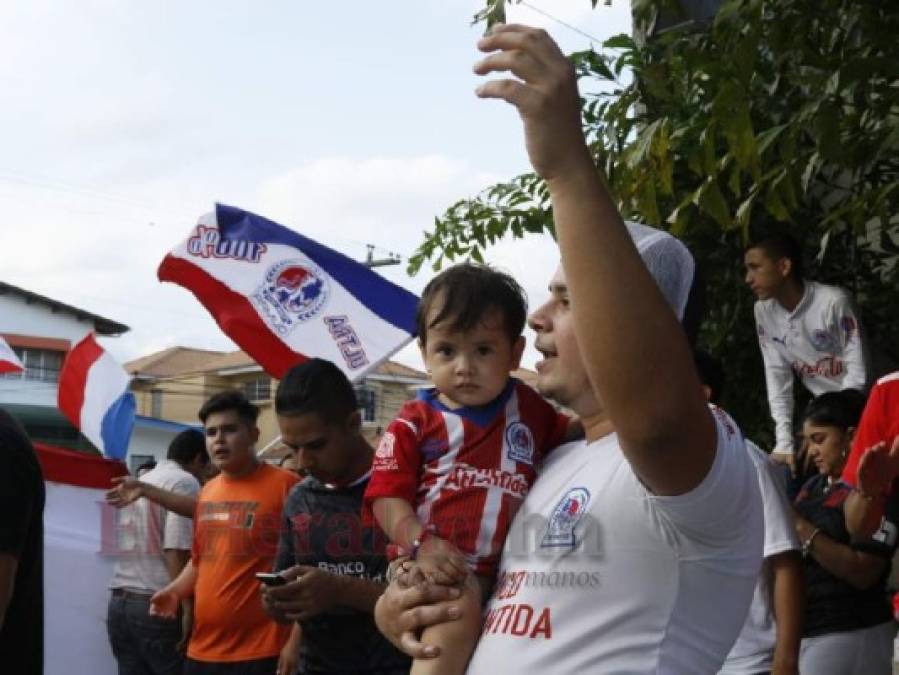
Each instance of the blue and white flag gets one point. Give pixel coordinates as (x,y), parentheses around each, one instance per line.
(284,298)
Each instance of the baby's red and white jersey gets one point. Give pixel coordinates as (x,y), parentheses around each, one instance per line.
(879,424)
(599,575)
(820,340)
(466,470)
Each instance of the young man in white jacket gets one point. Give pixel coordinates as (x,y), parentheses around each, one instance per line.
(804,327)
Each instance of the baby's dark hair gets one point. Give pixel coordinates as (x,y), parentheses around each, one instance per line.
(466,293)
(841,409)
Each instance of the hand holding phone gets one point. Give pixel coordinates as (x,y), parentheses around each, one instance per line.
(271,579)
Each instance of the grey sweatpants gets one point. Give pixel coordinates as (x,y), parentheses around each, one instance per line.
(868,651)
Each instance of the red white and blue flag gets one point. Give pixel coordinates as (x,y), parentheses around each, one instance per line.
(284,298)
(94,396)
(9,362)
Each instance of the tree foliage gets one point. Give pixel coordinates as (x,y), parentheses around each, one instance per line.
(778,115)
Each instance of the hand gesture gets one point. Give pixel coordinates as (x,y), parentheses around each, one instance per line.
(402,613)
(545,95)
(309,592)
(126,490)
(439,562)
(164,604)
(878,468)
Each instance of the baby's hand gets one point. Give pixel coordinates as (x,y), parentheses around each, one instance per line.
(439,562)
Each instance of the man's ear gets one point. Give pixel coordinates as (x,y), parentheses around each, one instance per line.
(517,351)
(785,266)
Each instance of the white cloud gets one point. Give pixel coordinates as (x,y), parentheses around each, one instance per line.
(386,201)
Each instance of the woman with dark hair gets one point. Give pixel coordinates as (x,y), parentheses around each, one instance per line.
(848,625)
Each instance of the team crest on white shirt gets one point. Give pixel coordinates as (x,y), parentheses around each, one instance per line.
(822,341)
(565,518)
(520,442)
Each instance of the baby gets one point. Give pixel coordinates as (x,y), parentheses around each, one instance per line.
(452,469)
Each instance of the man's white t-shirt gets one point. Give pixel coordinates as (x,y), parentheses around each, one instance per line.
(144,530)
(754,649)
(820,340)
(598,575)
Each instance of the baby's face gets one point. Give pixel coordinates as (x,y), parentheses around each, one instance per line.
(471,368)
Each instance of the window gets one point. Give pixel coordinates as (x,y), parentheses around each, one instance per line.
(368,403)
(156,403)
(41,365)
(259,389)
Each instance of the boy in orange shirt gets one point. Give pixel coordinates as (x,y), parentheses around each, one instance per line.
(235,536)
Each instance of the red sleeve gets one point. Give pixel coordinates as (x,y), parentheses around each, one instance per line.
(548,425)
(872,428)
(395,471)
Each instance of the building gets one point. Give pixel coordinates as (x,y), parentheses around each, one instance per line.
(41,331)
(172,385)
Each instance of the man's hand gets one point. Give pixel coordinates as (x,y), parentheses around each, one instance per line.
(127,490)
(309,591)
(403,611)
(545,95)
(165,604)
(440,562)
(878,468)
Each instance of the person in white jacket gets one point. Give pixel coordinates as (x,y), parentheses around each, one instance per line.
(804,327)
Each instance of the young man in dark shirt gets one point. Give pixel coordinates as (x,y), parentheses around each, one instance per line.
(21,552)
(334,565)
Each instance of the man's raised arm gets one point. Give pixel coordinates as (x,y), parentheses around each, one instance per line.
(128,490)
(633,348)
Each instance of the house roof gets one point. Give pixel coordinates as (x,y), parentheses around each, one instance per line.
(102,325)
(184,360)
(172,361)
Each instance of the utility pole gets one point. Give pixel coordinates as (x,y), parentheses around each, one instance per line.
(391,259)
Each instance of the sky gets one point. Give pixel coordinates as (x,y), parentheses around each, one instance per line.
(121,122)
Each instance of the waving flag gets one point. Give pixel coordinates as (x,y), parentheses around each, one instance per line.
(285,298)
(93,394)
(9,362)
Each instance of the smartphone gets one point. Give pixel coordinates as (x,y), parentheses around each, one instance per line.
(271,579)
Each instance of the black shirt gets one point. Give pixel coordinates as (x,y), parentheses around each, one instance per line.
(833,605)
(22,537)
(323,528)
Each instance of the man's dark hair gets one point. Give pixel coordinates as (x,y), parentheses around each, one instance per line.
(316,386)
(779,246)
(841,409)
(466,293)
(187,445)
(711,374)
(230,400)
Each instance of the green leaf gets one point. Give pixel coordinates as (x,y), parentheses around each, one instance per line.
(620,41)
(775,206)
(710,200)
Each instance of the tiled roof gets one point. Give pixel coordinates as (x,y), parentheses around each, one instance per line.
(182,360)
(172,361)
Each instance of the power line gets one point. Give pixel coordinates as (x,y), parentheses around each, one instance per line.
(563,23)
